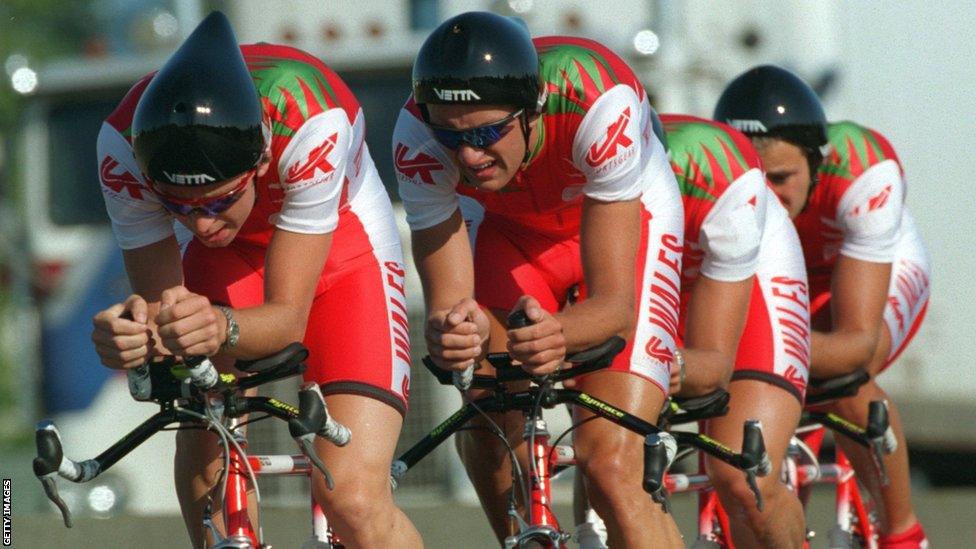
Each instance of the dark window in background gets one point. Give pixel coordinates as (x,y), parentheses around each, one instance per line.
(381,94)
(75,197)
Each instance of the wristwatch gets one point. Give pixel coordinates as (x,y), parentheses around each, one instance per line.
(679,359)
(233,330)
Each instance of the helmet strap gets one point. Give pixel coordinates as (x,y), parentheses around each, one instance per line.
(815,159)
(526,131)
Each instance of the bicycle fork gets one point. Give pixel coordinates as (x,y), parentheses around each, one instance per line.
(240,532)
(542,528)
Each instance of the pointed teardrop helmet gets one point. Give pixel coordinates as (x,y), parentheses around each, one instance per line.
(199,119)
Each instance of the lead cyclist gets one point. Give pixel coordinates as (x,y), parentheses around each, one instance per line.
(258,151)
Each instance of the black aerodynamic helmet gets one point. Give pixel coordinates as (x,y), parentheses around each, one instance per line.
(199,119)
(478,58)
(771,101)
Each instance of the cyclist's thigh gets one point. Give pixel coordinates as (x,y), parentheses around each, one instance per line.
(908,293)
(363,464)
(629,392)
(649,353)
(357,332)
(775,343)
(772,362)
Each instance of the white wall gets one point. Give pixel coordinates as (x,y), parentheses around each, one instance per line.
(908,71)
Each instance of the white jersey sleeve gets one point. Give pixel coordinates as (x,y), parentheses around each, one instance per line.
(312,169)
(607,146)
(426,175)
(870,213)
(731,233)
(138,219)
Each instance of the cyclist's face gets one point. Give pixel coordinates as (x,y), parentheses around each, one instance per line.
(492,167)
(215,231)
(788,172)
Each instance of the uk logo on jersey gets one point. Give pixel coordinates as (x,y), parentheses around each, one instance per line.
(875,202)
(604,150)
(421,164)
(318,158)
(119,181)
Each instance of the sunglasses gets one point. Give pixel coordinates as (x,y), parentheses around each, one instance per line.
(207,207)
(479,137)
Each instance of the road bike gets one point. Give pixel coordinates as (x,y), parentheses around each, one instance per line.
(193,395)
(538,526)
(855,523)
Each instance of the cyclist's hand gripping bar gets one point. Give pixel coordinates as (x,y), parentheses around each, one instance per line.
(462,380)
(147,381)
(314,420)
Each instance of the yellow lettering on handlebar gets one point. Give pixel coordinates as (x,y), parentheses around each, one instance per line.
(437,430)
(601,405)
(283,406)
(845,423)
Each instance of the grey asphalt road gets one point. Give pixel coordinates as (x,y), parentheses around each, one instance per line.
(948,515)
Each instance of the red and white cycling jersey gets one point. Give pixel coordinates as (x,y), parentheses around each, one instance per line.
(858,210)
(321,180)
(735,228)
(595,140)
(856,207)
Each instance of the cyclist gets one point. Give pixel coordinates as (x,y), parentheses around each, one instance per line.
(869,272)
(744,320)
(526,167)
(258,151)
(744,315)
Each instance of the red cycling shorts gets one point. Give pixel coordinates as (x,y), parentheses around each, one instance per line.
(357,332)
(775,343)
(511,261)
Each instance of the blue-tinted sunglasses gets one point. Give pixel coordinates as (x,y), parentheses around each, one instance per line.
(479,137)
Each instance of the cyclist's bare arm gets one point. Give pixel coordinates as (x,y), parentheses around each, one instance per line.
(716,317)
(609,235)
(456,330)
(293,267)
(121,332)
(859,291)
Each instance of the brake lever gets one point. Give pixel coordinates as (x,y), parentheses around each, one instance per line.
(50,485)
(313,421)
(754,453)
(660,450)
(308,448)
(881,437)
(46,465)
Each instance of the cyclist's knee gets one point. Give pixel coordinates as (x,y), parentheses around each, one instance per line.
(736,493)
(482,444)
(608,471)
(195,447)
(351,504)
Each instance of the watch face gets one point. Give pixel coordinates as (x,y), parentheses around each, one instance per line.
(233,330)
